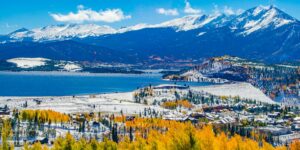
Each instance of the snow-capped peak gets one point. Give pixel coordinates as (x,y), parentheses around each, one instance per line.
(183,24)
(261,17)
(194,21)
(260,8)
(19,30)
(133,28)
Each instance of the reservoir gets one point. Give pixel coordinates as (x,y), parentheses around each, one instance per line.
(63,84)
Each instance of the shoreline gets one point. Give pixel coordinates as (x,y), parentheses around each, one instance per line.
(124,101)
(227,89)
(73,73)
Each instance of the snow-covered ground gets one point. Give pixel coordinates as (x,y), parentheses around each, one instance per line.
(125,102)
(72,67)
(243,90)
(28,62)
(196,76)
(25,63)
(110,103)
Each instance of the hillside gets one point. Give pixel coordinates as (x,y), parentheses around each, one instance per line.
(279,82)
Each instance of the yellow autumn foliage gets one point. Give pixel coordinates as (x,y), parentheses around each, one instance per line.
(158,134)
(43,116)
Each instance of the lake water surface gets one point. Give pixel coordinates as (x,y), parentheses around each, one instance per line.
(62,84)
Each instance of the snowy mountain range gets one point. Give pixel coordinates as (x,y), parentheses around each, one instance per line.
(69,31)
(262,33)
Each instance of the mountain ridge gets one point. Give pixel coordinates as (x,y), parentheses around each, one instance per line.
(263,33)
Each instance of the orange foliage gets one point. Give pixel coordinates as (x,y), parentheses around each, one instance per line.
(174,104)
(120,118)
(295,145)
(169,105)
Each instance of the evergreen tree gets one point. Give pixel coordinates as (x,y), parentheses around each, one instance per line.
(130,134)
(115,133)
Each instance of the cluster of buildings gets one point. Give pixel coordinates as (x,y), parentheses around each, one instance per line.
(280,123)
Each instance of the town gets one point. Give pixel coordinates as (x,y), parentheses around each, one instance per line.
(43,120)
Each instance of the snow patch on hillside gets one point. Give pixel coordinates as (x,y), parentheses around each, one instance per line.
(201,33)
(28,62)
(243,90)
(72,67)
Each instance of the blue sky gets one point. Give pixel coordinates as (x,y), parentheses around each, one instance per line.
(15,14)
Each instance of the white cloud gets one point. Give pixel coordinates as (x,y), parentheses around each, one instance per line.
(167,12)
(82,14)
(226,10)
(216,10)
(80,7)
(229,11)
(189,10)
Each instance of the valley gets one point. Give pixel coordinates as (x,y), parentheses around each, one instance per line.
(187,79)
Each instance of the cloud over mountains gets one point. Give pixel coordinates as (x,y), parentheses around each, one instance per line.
(88,15)
(167,12)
